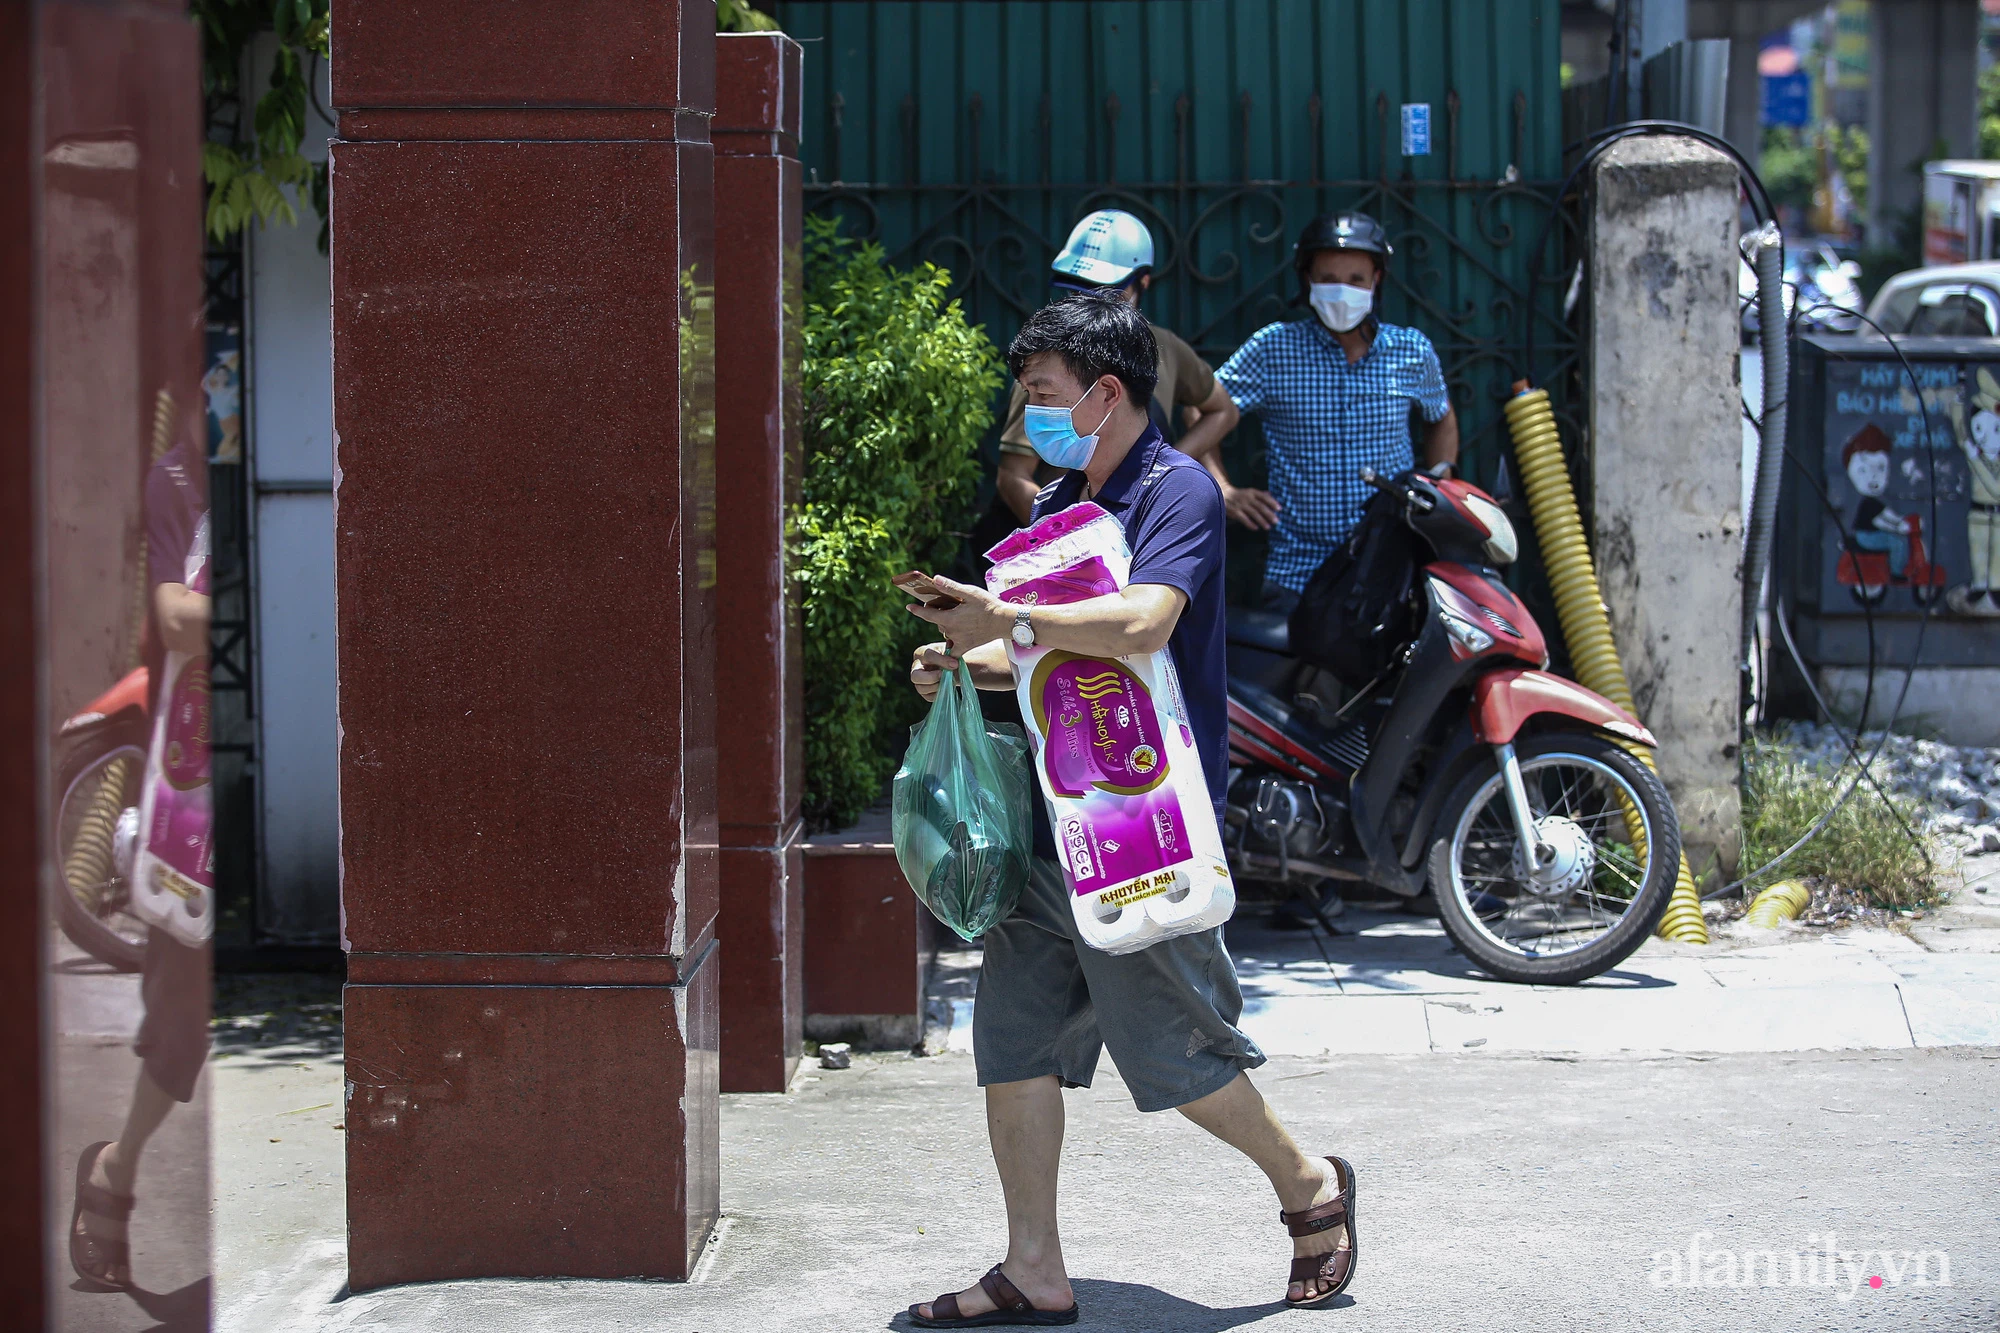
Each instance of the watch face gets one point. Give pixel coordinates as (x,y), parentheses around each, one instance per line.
(1024,636)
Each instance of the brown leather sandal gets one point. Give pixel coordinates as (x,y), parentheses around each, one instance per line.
(1335,1266)
(93,1257)
(1010,1307)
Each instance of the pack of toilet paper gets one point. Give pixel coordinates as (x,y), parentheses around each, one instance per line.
(1116,759)
(173,875)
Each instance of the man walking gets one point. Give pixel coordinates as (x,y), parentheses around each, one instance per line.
(1335,393)
(1048,1004)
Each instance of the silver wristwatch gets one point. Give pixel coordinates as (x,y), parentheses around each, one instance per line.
(1024,631)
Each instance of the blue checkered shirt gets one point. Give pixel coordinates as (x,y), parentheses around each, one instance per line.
(1324,420)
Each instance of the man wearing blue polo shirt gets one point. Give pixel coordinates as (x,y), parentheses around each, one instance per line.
(1049,1003)
(1336,393)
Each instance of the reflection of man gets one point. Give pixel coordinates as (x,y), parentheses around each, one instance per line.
(1335,394)
(1048,1003)
(1111,251)
(173,1036)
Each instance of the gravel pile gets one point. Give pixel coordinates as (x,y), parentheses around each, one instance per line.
(1956,788)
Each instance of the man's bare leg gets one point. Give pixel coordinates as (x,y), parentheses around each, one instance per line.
(117,1166)
(1025,1123)
(1239,1116)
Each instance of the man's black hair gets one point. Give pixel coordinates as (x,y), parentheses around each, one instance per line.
(1095,335)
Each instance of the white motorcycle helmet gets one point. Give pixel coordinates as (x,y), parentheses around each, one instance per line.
(1104,250)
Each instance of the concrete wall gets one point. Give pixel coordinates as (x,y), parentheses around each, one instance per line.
(290,407)
(1952,704)
(1665,451)
(1924,58)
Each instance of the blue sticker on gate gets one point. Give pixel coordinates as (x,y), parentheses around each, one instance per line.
(1416,129)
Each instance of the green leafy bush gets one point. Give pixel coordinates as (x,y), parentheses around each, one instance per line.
(898,390)
(1862,848)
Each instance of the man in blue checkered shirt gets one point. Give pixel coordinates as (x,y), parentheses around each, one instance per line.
(1336,393)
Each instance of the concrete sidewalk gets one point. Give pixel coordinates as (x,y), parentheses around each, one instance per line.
(1395,986)
(1392,984)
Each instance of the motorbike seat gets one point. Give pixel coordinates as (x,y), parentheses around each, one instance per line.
(1266,631)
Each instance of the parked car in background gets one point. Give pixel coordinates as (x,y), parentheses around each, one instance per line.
(1826,287)
(1953,300)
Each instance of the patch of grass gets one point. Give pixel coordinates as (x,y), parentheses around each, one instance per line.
(1862,849)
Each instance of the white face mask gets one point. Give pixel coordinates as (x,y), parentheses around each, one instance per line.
(1341,307)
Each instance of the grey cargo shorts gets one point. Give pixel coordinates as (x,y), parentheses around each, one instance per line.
(1048,1003)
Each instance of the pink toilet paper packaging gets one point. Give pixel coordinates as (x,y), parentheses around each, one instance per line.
(173,878)
(1134,827)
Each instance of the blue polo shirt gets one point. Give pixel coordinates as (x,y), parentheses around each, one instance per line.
(1173,517)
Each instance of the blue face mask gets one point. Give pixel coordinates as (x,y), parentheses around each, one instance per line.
(1052,433)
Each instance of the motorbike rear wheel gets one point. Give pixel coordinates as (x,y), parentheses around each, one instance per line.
(97,781)
(1585,913)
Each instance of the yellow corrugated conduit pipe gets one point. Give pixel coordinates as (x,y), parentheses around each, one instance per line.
(1580,605)
(1778,904)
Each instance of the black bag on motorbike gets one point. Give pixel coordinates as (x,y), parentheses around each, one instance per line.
(1355,614)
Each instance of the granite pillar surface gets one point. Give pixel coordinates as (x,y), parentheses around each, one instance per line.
(24,1268)
(523,250)
(759,692)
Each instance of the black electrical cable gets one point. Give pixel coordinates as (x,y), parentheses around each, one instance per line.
(1785,632)
(1867,607)
(1766,213)
(1853,750)
(1864,768)
(1595,145)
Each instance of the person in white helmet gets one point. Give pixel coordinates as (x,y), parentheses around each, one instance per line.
(1110,250)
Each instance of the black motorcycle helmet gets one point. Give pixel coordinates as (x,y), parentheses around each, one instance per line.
(1339,231)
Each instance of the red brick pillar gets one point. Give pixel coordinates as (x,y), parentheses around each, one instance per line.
(758,690)
(525,518)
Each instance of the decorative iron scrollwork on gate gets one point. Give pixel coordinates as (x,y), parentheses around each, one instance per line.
(1223,266)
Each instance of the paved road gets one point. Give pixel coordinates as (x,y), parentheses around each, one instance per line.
(1498,1192)
(1528,1157)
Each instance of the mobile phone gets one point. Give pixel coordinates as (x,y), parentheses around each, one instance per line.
(918,584)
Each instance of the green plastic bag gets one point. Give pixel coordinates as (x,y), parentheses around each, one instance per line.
(960,813)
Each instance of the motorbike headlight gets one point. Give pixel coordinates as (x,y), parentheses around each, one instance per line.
(1468,635)
(1501,545)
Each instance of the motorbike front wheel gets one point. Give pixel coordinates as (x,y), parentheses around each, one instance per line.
(1614,849)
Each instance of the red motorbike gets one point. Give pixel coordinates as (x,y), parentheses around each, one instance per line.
(1466,768)
(1865,574)
(100,766)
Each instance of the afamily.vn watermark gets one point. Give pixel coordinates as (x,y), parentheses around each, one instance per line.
(1822,1263)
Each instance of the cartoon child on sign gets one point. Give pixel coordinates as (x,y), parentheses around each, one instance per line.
(1883,548)
(1981,595)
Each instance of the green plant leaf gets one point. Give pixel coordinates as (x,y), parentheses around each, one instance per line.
(220,163)
(897,391)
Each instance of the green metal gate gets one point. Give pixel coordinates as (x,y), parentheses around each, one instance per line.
(975,132)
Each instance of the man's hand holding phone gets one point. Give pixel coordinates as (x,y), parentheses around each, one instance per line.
(968,616)
(971,618)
